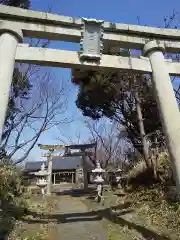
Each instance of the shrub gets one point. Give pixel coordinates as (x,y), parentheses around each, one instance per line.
(140,174)
(10,183)
(164,168)
(137,169)
(12,202)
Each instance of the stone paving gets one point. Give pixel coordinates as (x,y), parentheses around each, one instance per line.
(76,222)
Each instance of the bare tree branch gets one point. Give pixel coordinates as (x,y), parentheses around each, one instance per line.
(108,141)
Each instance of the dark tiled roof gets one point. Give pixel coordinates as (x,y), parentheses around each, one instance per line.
(59,163)
(33,166)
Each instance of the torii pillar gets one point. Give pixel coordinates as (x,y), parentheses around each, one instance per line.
(166,100)
(9,39)
(85,172)
(49,179)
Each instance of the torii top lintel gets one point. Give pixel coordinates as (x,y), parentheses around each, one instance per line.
(43,23)
(50,147)
(73,146)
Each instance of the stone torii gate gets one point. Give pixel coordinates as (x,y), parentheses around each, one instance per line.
(17,24)
(82,152)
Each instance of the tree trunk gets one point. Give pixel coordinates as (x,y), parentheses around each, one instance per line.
(142,130)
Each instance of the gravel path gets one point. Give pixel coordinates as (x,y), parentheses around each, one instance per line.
(76,222)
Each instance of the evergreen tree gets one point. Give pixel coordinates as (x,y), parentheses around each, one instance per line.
(17,3)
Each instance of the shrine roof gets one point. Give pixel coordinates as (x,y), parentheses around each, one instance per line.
(59,163)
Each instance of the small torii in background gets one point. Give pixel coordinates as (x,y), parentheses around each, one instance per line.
(81,150)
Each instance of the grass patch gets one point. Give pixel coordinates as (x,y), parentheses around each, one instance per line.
(141,214)
(34,225)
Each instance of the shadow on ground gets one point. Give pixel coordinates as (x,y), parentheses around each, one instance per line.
(77,192)
(106,213)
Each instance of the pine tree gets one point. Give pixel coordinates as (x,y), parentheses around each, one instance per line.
(17,3)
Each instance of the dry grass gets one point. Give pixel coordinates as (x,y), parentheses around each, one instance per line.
(161,171)
(137,169)
(33,226)
(141,214)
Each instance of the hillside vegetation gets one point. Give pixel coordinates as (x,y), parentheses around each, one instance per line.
(146,208)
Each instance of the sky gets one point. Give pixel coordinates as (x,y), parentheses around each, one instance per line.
(149,12)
